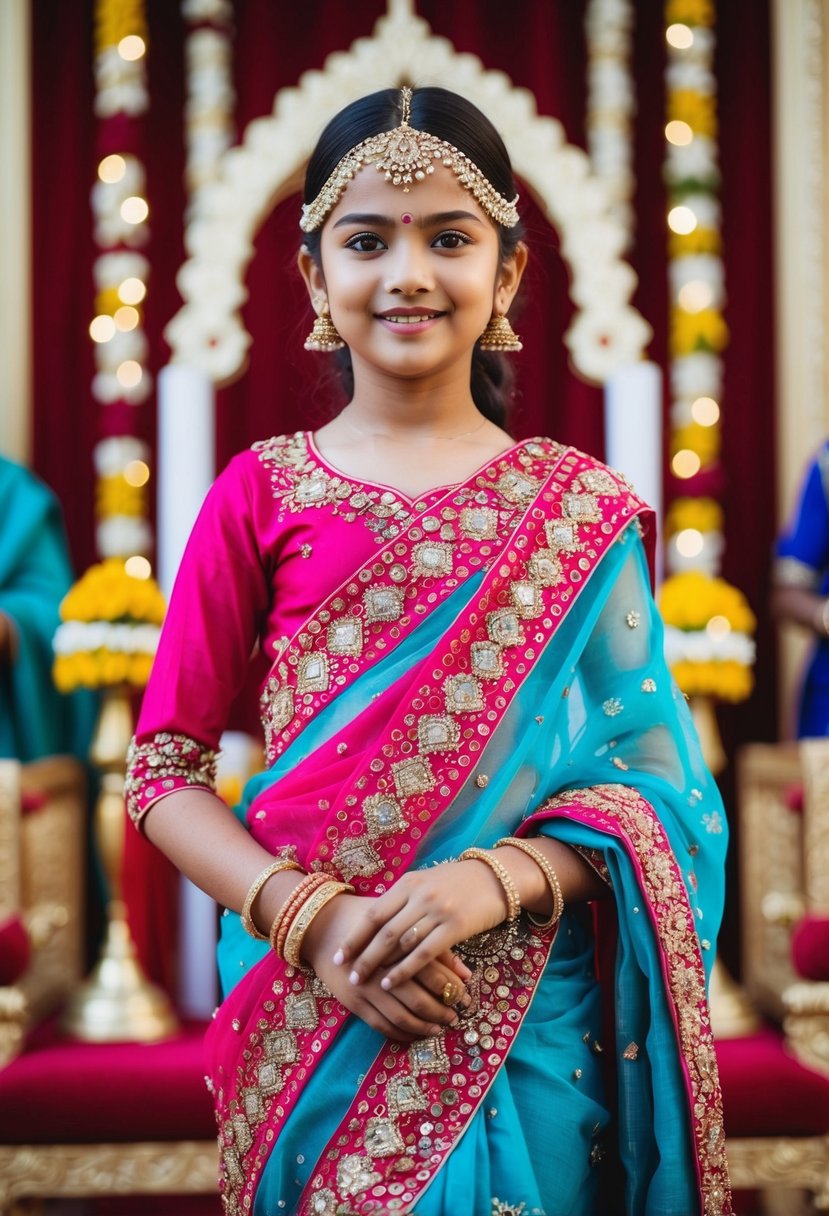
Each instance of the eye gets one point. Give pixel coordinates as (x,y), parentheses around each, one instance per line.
(451,240)
(365,242)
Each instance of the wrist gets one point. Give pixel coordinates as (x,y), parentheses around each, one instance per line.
(318,937)
(821,618)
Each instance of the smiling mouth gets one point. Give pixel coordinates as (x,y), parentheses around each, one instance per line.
(409,318)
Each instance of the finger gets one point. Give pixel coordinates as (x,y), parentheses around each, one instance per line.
(377,913)
(456,963)
(443,984)
(425,1004)
(397,1011)
(378,1021)
(389,945)
(425,953)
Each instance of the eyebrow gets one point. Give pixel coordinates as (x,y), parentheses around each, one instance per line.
(428,221)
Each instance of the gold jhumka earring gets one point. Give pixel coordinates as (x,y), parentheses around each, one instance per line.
(499,335)
(324,335)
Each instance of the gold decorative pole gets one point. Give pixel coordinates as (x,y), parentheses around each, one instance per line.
(117,1003)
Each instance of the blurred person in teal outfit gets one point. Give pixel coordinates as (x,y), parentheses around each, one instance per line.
(35,574)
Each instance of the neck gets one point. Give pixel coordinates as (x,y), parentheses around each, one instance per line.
(431,406)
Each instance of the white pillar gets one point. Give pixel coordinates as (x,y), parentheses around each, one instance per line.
(633,430)
(186,470)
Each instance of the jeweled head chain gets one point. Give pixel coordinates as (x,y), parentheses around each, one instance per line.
(405,156)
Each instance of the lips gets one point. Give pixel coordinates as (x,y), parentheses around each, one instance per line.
(410,318)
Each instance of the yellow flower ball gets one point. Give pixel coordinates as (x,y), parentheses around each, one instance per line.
(704,514)
(701,240)
(699,110)
(689,12)
(704,440)
(693,331)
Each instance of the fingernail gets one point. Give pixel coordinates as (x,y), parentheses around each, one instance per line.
(354,978)
(455,1023)
(435,1031)
(339,958)
(385,983)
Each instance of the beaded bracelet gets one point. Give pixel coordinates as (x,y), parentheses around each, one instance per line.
(285,915)
(281,863)
(301,922)
(549,873)
(510,890)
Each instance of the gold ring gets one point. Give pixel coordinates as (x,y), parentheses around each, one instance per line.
(450,993)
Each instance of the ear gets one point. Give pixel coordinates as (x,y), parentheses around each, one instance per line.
(312,276)
(509,278)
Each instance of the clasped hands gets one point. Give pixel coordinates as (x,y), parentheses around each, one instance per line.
(390,960)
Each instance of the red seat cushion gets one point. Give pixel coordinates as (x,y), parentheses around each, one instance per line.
(59,1092)
(766,1092)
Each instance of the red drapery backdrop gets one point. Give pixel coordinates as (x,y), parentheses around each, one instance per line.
(541,47)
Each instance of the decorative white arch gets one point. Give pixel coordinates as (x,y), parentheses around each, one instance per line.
(207,333)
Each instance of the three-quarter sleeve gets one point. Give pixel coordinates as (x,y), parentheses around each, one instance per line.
(216,610)
(802,555)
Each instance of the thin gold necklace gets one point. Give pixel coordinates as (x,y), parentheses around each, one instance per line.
(381,435)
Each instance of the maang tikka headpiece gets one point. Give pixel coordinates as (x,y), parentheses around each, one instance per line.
(405,156)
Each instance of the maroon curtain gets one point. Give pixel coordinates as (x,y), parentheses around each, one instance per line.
(541,47)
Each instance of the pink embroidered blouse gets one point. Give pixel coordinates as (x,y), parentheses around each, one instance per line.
(276,535)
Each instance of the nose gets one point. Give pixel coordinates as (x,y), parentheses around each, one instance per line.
(407,270)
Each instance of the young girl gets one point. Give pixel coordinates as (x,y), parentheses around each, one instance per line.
(481,879)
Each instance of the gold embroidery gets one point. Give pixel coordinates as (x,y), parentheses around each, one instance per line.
(404,1094)
(324,1203)
(356,856)
(598,481)
(526,598)
(156,765)
(383,815)
(382,1139)
(413,777)
(312,673)
(516,487)
(432,557)
(437,733)
(545,568)
(428,1055)
(301,1011)
(631,1052)
(563,536)
(383,603)
(504,628)
(354,1174)
(583,508)
(345,636)
(479,523)
(463,694)
(487,660)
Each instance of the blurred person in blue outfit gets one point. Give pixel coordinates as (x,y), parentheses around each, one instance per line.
(801,589)
(35,573)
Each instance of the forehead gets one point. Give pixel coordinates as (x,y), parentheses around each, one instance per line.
(369,192)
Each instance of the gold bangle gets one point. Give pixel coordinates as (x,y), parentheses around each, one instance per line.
(281,863)
(302,921)
(283,918)
(510,890)
(549,873)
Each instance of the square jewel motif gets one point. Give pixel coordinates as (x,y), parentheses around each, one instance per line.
(428,1055)
(562,536)
(599,481)
(241,1133)
(345,636)
(280,1046)
(270,1079)
(382,1139)
(383,815)
(526,598)
(479,523)
(432,557)
(324,1203)
(463,695)
(504,627)
(356,856)
(437,733)
(354,1174)
(301,1011)
(487,660)
(516,487)
(312,673)
(582,507)
(383,603)
(545,568)
(253,1105)
(403,1094)
(413,777)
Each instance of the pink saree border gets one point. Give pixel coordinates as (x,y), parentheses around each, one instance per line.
(620,811)
(572,521)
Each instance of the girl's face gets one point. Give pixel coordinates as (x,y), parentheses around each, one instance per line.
(411,279)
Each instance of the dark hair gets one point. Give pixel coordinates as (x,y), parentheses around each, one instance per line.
(450,117)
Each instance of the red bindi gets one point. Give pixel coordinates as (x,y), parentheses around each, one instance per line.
(406,218)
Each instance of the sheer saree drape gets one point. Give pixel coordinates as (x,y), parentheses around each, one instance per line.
(594,747)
